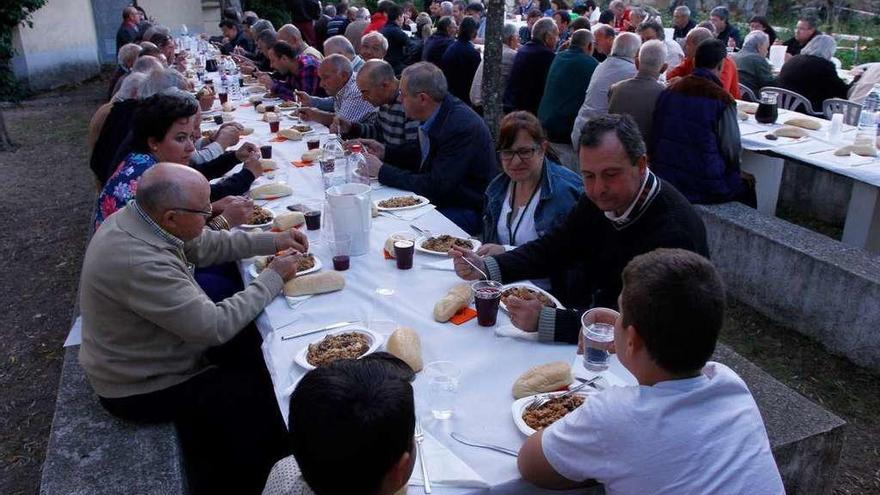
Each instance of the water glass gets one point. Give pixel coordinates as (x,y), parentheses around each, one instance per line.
(597,328)
(443,378)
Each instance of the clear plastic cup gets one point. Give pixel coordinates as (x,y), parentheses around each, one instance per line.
(443,378)
(597,328)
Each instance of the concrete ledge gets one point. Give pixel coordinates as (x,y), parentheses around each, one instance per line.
(803,280)
(91,452)
(805,438)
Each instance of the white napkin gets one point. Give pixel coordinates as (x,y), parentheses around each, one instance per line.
(616,375)
(294,302)
(446,265)
(444,467)
(410,215)
(515,333)
(75,335)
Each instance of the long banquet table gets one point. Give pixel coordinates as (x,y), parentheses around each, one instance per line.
(489,364)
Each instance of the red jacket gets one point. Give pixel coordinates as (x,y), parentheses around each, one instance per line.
(377,22)
(729,76)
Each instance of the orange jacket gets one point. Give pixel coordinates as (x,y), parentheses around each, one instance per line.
(729,76)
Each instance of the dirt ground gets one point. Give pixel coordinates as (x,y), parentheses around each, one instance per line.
(46,198)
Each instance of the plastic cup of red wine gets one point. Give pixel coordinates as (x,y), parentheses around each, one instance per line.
(313,219)
(340,249)
(266,151)
(487,297)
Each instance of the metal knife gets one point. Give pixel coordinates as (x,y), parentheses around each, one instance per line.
(496,448)
(316,330)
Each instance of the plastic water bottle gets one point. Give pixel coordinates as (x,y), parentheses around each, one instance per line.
(357,165)
(867,119)
(333,162)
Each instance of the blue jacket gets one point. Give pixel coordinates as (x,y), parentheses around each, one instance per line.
(560,190)
(435,47)
(696,140)
(460,161)
(459,64)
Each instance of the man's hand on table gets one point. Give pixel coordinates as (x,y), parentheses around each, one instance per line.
(292,239)
(340,126)
(372,165)
(247,151)
(236,211)
(372,146)
(304,98)
(228,135)
(265,80)
(598,315)
(285,264)
(462,268)
(490,250)
(524,312)
(253,164)
(314,115)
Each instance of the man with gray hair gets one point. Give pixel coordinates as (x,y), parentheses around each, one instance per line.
(355,29)
(510,43)
(636,97)
(454,159)
(729,77)
(373,45)
(447,9)
(751,62)
(652,30)
(128,30)
(345,100)
(391,127)
(567,82)
(724,30)
(682,23)
(341,46)
(126,58)
(290,34)
(619,66)
(603,40)
(530,68)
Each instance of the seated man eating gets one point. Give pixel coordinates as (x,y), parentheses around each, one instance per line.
(627,211)
(155,348)
(690,426)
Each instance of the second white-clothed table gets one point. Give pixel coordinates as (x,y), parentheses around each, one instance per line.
(489,364)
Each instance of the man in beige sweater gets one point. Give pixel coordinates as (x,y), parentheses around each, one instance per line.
(156,348)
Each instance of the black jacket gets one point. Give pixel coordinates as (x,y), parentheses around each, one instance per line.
(588,242)
(398,41)
(435,47)
(813,77)
(116,129)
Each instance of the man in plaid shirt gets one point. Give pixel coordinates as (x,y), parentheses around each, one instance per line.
(295,72)
(345,100)
(390,126)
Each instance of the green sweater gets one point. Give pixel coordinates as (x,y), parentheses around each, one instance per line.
(564,92)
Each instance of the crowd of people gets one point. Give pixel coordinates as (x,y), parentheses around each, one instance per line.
(614,127)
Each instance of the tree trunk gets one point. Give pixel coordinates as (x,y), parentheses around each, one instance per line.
(492,94)
(5,142)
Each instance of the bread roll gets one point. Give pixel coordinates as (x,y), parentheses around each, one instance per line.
(291,134)
(804,123)
(247,131)
(864,150)
(316,283)
(268,164)
(261,263)
(288,220)
(790,132)
(270,117)
(844,151)
(227,107)
(406,345)
(255,98)
(742,115)
(228,117)
(747,107)
(260,108)
(271,191)
(457,298)
(389,246)
(544,378)
(311,155)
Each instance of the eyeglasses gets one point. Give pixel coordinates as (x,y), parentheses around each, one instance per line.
(205,213)
(523,153)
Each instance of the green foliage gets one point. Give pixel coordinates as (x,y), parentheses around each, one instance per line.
(273,10)
(12,13)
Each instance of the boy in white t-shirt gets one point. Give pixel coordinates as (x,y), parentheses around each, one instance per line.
(690,426)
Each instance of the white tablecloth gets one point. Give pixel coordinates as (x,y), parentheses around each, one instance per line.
(489,364)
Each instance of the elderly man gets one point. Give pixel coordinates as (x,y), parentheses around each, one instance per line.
(355,29)
(235,37)
(510,44)
(619,66)
(530,68)
(682,22)
(290,34)
(454,160)
(652,30)
(128,30)
(126,58)
(437,43)
(751,62)
(373,45)
(475,10)
(627,211)
(341,46)
(806,29)
(729,76)
(636,97)
(345,100)
(264,41)
(293,72)
(696,144)
(603,40)
(564,91)
(622,15)
(380,88)
(726,32)
(156,348)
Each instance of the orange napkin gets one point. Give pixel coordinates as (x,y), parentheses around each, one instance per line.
(245,105)
(278,139)
(464,314)
(301,164)
(387,256)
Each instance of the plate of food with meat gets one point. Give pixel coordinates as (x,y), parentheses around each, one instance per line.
(525,290)
(440,244)
(346,343)
(399,203)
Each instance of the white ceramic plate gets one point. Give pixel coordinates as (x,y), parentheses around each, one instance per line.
(519,406)
(424,202)
(534,288)
(422,239)
(260,225)
(374,338)
(318,265)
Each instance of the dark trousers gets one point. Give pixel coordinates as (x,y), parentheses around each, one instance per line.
(227,417)
(468,220)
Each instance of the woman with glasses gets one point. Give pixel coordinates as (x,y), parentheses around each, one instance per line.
(532,194)
(162,132)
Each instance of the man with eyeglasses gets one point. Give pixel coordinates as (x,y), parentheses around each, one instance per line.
(156,348)
(627,211)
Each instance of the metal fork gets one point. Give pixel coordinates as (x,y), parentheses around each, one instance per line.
(420,437)
(543,399)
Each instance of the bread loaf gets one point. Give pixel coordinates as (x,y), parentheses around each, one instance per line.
(291,134)
(227,107)
(864,150)
(268,164)
(804,123)
(288,220)
(742,115)
(458,297)
(247,131)
(844,151)
(270,117)
(260,108)
(406,345)
(747,107)
(316,283)
(228,117)
(271,191)
(311,155)
(544,378)
(790,132)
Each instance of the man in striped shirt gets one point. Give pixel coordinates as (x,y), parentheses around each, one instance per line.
(345,100)
(390,126)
